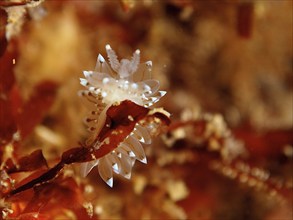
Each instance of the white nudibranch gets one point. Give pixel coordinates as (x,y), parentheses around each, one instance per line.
(107,85)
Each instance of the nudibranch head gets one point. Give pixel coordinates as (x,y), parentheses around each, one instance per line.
(127,79)
(109,84)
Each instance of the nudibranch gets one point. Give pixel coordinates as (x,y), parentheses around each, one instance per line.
(113,83)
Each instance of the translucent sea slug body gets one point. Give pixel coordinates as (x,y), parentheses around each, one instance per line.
(110,84)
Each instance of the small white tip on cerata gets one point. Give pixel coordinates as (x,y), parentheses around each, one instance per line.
(110,182)
(108,47)
(162,93)
(115,167)
(127,176)
(149,63)
(131,154)
(86,73)
(83,81)
(144,160)
(101,58)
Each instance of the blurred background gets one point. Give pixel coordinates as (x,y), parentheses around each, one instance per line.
(226,65)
